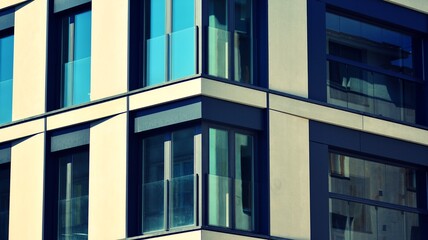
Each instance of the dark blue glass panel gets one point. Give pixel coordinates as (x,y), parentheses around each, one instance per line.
(6,78)
(4,200)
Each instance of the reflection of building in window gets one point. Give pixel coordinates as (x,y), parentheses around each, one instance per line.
(370,68)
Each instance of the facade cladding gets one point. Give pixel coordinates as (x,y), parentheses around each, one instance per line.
(214,119)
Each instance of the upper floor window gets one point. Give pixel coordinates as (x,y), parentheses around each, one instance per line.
(375,200)
(76,58)
(166,33)
(6,75)
(230,40)
(371,68)
(70,54)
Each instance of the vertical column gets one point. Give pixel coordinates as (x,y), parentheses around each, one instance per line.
(30,50)
(107,179)
(289,176)
(26,188)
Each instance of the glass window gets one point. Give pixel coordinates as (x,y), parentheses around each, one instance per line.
(73,186)
(371,68)
(231,180)
(4,200)
(76,59)
(169,40)
(230,40)
(168,196)
(6,78)
(375,200)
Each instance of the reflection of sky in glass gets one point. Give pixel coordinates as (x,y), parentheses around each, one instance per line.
(392,40)
(157,18)
(82,37)
(182,14)
(183,53)
(6,78)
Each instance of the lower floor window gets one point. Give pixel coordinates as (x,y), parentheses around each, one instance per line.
(4,199)
(374,200)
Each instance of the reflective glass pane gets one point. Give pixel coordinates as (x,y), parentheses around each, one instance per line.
(390,224)
(244,184)
(218,39)
(153,184)
(77,59)
(219,183)
(243,41)
(182,181)
(73,196)
(183,14)
(183,53)
(155,19)
(378,46)
(412,228)
(4,200)
(6,78)
(156,68)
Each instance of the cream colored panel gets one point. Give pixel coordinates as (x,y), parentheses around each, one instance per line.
(8,3)
(24,129)
(288,56)
(86,114)
(26,189)
(109,67)
(29,74)
(193,235)
(395,130)
(165,94)
(107,179)
(316,112)
(418,5)
(233,93)
(289,176)
(209,235)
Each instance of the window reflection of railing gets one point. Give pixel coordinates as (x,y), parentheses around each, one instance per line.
(73,215)
(171,56)
(169,204)
(352,86)
(77,82)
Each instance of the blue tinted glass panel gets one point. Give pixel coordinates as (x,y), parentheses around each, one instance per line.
(4,200)
(183,53)
(156,60)
(77,63)
(183,14)
(157,18)
(6,78)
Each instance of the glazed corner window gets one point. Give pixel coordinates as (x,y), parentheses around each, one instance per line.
(231,180)
(372,68)
(169,42)
(230,40)
(4,191)
(75,58)
(168,192)
(376,201)
(6,76)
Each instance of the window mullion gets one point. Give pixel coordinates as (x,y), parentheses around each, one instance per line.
(231,30)
(232,177)
(167,177)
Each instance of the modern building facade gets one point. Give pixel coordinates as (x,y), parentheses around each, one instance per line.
(213,119)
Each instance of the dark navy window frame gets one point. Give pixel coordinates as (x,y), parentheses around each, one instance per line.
(325,138)
(392,16)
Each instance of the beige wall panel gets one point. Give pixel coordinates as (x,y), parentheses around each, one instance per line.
(109,63)
(193,235)
(24,129)
(209,235)
(29,73)
(418,5)
(26,189)
(107,179)
(165,94)
(8,3)
(88,113)
(316,112)
(288,57)
(395,130)
(289,176)
(233,93)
